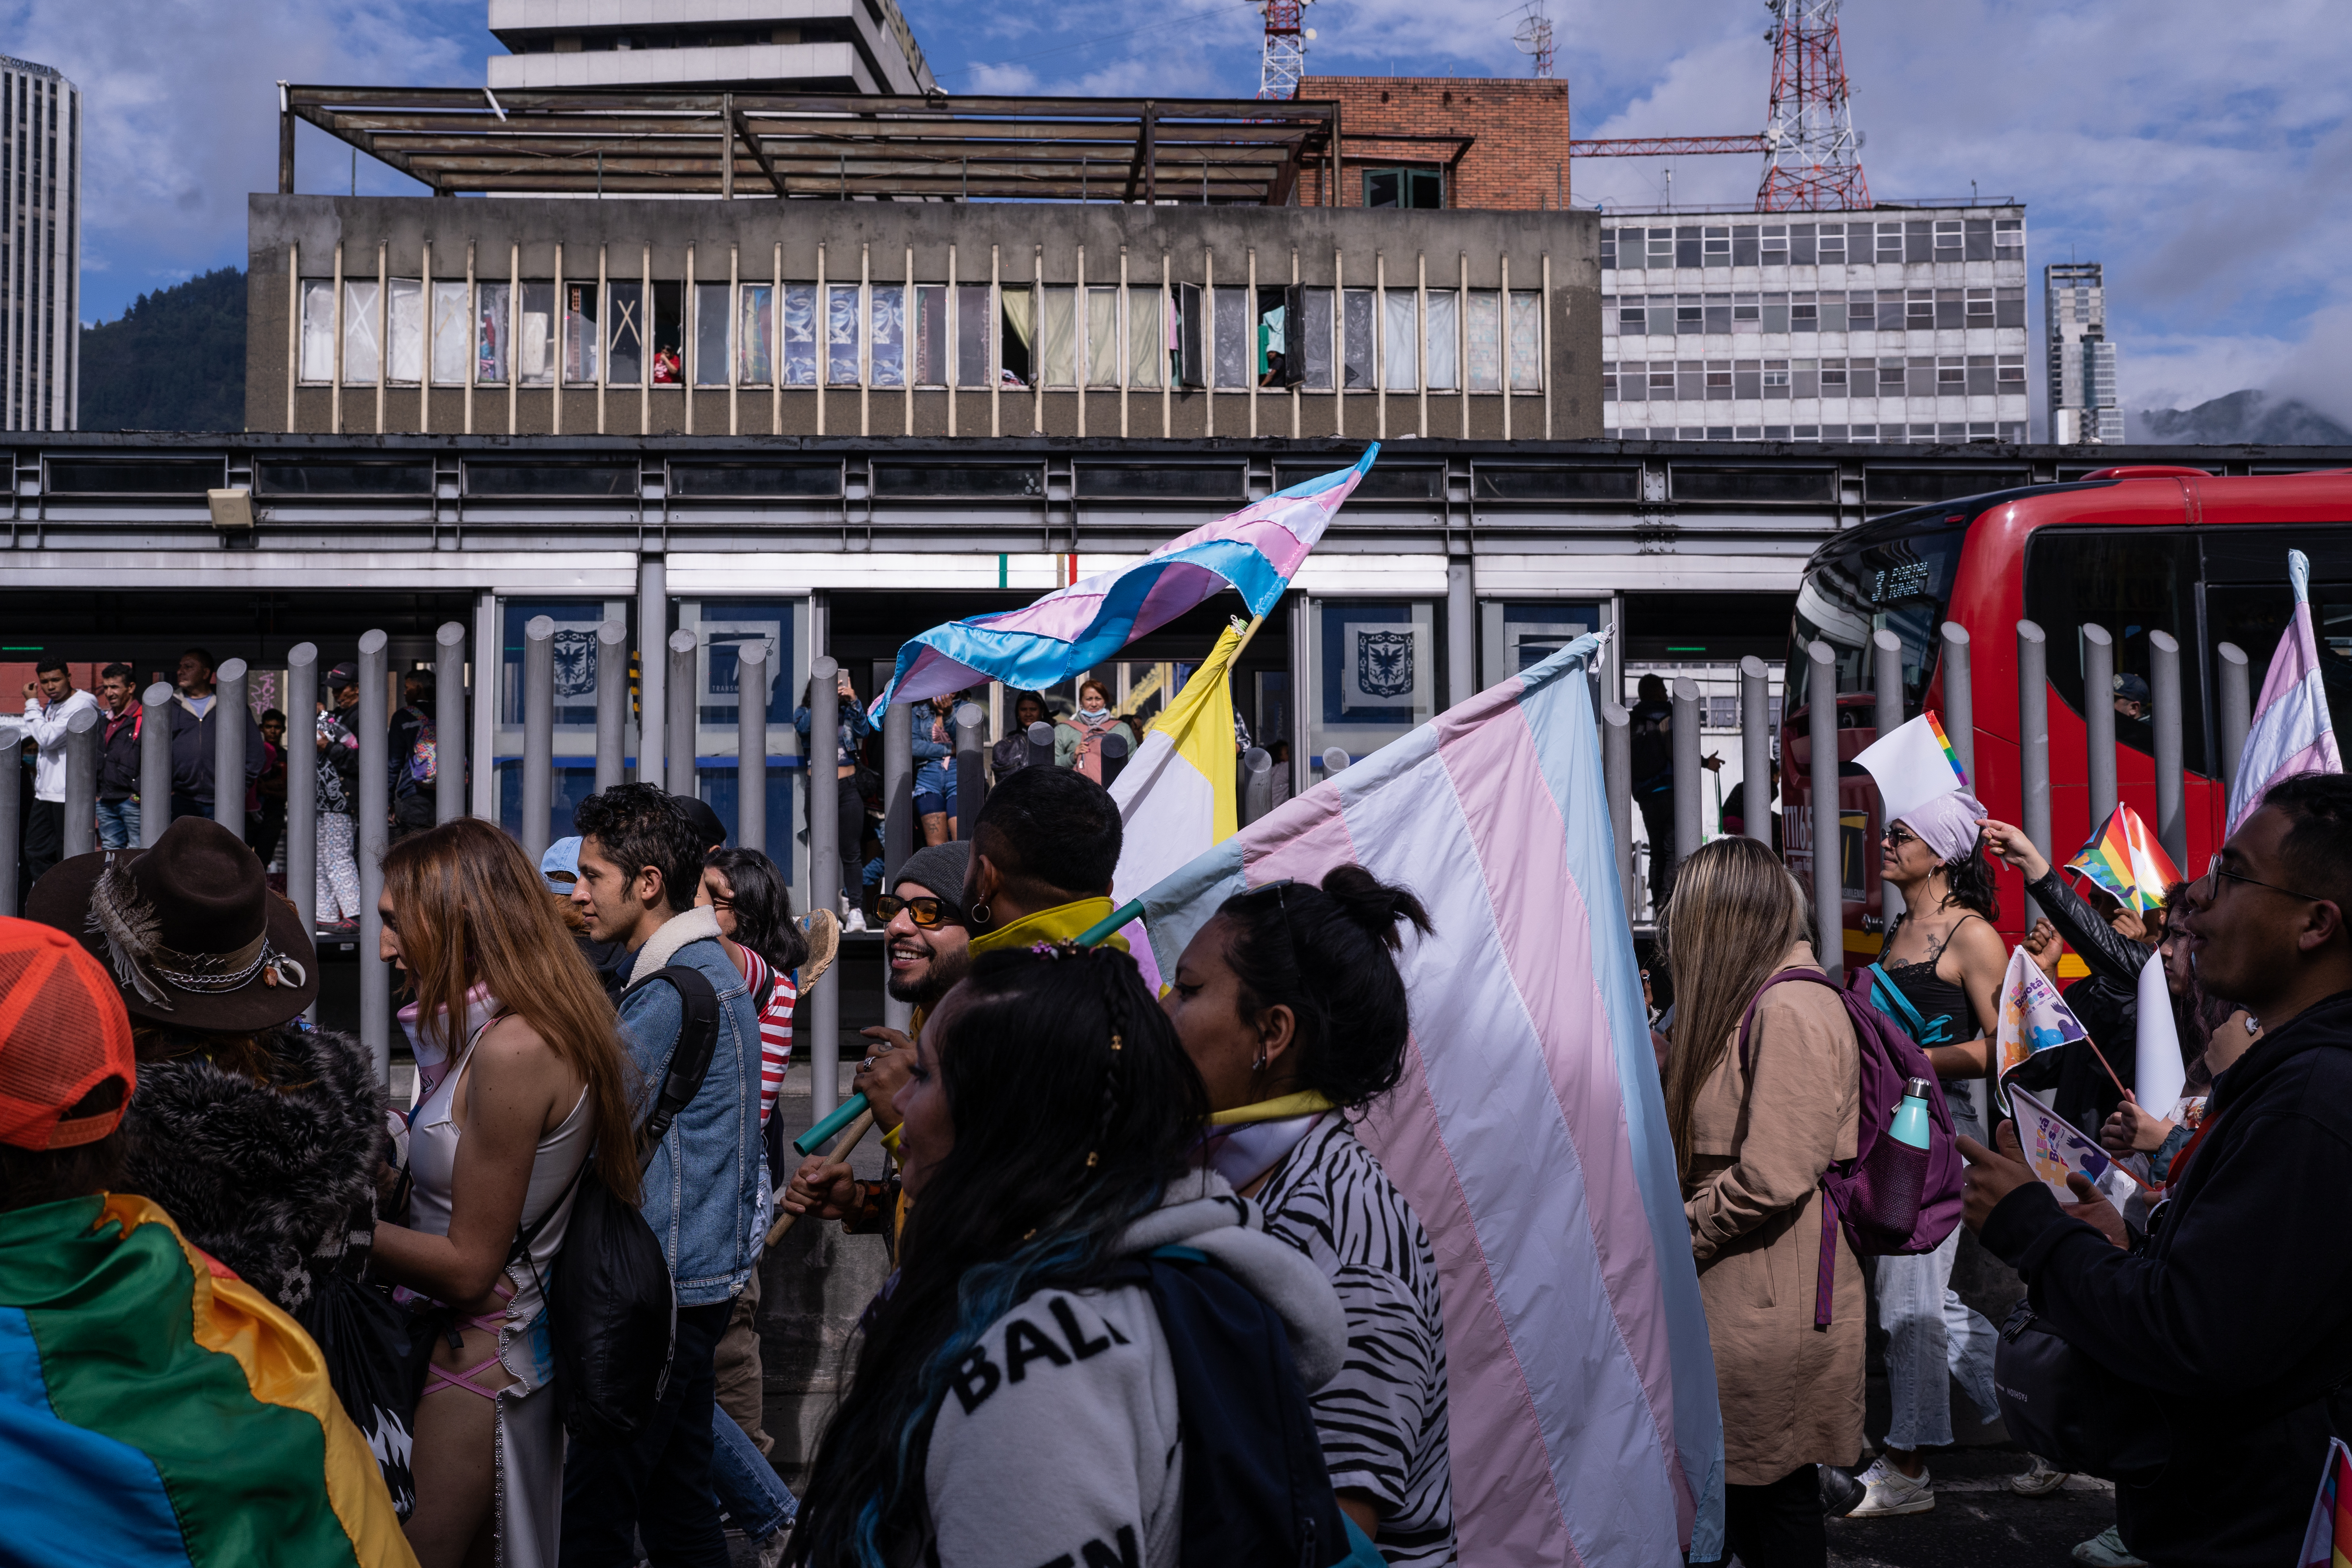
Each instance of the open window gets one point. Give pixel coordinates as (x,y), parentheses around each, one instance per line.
(1192,337)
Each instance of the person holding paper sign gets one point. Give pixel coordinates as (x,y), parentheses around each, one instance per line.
(2238,1306)
(1937,976)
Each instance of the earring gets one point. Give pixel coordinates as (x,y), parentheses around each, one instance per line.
(1259,1064)
(979,914)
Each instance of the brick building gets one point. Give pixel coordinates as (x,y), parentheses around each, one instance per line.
(1454,142)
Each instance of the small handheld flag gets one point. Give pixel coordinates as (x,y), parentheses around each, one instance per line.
(2124,858)
(1913,765)
(2327,1540)
(2292,732)
(2033,1018)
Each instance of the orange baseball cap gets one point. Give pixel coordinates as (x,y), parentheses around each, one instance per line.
(63,1033)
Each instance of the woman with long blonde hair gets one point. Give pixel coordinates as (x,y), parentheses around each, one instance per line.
(533,1092)
(1763,1094)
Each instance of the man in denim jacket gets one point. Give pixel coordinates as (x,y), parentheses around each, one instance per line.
(705,1189)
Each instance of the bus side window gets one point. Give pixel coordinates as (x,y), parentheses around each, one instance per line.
(2247,601)
(2132,581)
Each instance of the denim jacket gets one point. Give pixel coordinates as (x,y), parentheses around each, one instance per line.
(706,1191)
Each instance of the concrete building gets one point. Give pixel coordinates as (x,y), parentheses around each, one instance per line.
(773,46)
(2083,405)
(1899,324)
(41,251)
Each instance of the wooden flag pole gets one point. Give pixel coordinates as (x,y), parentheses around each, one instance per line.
(841,1151)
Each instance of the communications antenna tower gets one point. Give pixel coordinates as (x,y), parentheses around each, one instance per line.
(1813,160)
(1285,60)
(1533,36)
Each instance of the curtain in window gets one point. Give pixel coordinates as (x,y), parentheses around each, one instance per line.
(1019,307)
(407,330)
(318,331)
(1442,347)
(841,334)
(535,335)
(490,332)
(579,333)
(449,335)
(1102,336)
(755,335)
(1147,337)
(800,334)
(1402,337)
(888,320)
(1527,340)
(1057,333)
(361,361)
(1485,341)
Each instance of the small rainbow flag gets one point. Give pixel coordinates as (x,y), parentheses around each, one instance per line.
(2327,1540)
(2124,858)
(158,1412)
(1937,725)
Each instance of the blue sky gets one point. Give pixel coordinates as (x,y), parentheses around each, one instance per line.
(2207,160)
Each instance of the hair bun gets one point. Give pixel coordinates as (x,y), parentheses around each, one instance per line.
(1374,905)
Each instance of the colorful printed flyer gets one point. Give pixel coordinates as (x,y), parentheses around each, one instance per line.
(2055,1148)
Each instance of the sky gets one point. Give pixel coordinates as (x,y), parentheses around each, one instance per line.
(2204,157)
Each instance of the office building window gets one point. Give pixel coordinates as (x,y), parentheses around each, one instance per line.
(1919,310)
(1608,249)
(1747,314)
(1747,380)
(1718,312)
(1608,380)
(2008,307)
(1948,239)
(535,335)
(1232,335)
(1486,341)
(1951,377)
(2009,237)
(886,321)
(1890,242)
(800,334)
(1057,334)
(1442,349)
(406,330)
(1690,380)
(490,332)
(448,333)
(1527,340)
(1016,340)
(2012,373)
(1774,251)
(1356,338)
(1743,245)
(710,319)
(1632,314)
(973,315)
(840,334)
(929,334)
(1980,381)
(1402,337)
(755,335)
(1662,247)
(1102,335)
(1948,310)
(1718,381)
(580,335)
(1719,247)
(361,361)
(1776,378)
(1148,336)
(1978,303)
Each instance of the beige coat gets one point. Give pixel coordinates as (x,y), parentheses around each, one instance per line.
(1792,1393)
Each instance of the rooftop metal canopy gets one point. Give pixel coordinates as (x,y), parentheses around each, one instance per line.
(833,146)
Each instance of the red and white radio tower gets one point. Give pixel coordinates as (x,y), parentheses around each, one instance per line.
(1811,162)
(1285,60)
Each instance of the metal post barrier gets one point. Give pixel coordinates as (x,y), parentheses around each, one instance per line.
(12,803)
(373,832)
(1041,744)
(897,827)
(1685,734)
(1335,759)
(538,735)
(2033,744)
(970,756)
(156,759)
(653,632)
(1828,837)
(1886,675)
(449,722)
(1113,759)
(1617,773)
(825,879)
(2164,689)
(229,714)
(2099,720)
(2236,710)
(81,783)
(751,747)
(301,782)
(1257,784)
(612,702)
(683,712)
(1755,750)
(1461,634)
(1960,699)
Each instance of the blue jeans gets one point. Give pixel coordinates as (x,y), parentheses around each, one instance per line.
(750,1494)
(118,824)
(1931,1334)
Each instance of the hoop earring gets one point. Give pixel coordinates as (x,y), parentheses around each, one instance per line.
(980,915)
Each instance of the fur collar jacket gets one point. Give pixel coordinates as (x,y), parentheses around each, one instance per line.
(274,1179)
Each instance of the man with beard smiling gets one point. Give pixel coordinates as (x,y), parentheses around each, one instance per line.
(2230,1326)
(927,948)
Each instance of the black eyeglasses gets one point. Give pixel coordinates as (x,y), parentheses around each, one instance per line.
(1897,836)
(2216,873)
(927,913)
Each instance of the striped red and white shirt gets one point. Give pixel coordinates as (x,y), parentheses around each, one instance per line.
(775,1025)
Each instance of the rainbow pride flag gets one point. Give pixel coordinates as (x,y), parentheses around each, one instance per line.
(2124,857)
(156,1410)
(2327,1541)
(1936,727)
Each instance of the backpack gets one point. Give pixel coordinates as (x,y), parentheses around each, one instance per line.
(422,763)
(1890,1198)
(612,1309)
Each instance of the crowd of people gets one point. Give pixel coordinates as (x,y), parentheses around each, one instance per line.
(1150,1299)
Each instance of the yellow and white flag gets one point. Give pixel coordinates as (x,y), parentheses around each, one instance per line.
(1177,794)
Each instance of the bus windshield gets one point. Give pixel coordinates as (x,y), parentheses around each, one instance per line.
(1896,579)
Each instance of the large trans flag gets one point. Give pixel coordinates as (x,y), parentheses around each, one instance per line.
(1255,552)
(1529,1131)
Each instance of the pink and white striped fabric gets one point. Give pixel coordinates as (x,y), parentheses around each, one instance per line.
(1529,1132)
(2292,731)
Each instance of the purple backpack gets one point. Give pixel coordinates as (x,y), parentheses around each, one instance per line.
(1890,1198)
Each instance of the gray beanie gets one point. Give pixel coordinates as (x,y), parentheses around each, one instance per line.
(940,868)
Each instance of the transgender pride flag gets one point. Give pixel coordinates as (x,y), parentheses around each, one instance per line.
(1529,1132)
(1255,552)
(2292,732)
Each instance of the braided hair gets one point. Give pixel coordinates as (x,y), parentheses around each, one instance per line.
(1073,1107)
(1328,955)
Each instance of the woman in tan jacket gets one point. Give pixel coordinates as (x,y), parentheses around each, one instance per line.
(1752,1141)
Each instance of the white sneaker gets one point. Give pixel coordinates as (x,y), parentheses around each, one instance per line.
(1888,1491)
(856,921)
(2106,1549)
(2039,1481)
(772,1551)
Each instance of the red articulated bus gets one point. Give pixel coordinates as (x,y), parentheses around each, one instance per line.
(2133,550)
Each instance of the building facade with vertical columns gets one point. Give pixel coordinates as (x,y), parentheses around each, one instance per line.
(40,255)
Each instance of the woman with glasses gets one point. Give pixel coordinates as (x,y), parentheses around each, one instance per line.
(1937,976)
(1289,1003)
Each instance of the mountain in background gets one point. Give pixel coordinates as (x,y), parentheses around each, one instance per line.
(175,361)
(2247,417)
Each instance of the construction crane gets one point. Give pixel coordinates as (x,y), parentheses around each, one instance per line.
(1285,60)
(1812,150)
